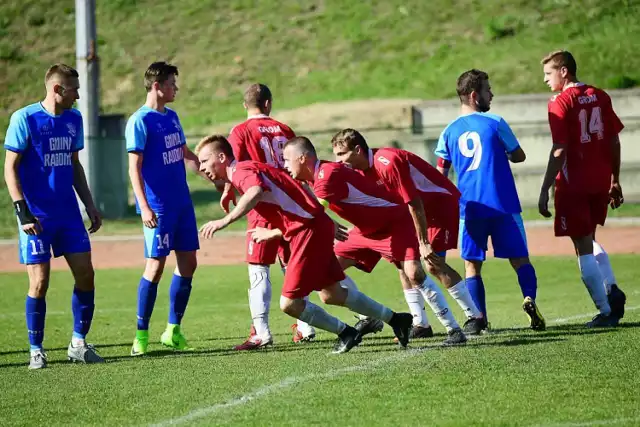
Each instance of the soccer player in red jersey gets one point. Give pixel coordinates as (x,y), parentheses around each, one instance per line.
(382,227)
(261,138)
(433,204)
(585,165)
(300,219)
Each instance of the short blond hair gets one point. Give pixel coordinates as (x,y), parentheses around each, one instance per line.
(561,58)
(220,143)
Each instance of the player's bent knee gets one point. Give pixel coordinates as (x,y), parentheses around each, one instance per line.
(335,295)
(154,268)
(85,278)
(291,307)
(187,262)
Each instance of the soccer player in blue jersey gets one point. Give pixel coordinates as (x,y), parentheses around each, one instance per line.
(479,146)
(157,157)
(41,171)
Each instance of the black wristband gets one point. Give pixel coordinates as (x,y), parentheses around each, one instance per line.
(24,214)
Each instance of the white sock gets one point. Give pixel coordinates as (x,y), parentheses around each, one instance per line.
(77,342)
(362,304)
(305,328)
(415,301)
(436,300)
(318,317)
(604,265)
(461,294)
(592,279)
(260,298)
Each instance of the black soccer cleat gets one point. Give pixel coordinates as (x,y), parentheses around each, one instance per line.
(455,337)
(347,339)
(617,300)
(402,324)
(369,325)
(418,332)
(475,326)
(603,321)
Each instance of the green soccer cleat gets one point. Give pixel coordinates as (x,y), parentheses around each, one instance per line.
(140,344)
(172,337)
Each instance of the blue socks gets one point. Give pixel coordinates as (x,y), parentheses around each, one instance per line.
(35,310)
(82,306)
(476,289)
(528,281)
(147,292)
(179,293)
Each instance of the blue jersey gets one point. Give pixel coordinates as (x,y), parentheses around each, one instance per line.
(477,145)
(159,137)
(47,143)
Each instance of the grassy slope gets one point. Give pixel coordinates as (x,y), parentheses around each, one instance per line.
(515,377)
(309,51)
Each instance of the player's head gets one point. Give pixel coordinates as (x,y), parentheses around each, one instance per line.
(474,90)
(559,68)
(215,154)
(160,80)
(62,84)
(350,148)
(257,98)
(300,158)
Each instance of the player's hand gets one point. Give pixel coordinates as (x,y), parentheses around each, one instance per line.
(429,255)
(212,227)
(227,197)
(96,219)
(543,204)
(261,234)
(340,232)
(149,218)
(32,229)
(615,196)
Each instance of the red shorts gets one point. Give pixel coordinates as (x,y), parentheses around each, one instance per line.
(577,215)
(264,253)
(313,265)
(443,220)
(401,244)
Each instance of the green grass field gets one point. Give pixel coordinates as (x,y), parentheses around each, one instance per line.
(566,376)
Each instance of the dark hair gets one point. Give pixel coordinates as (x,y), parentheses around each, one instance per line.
(561,58)
(62,70)
(218,144)
(158,72)
(257,95)
(470,81)
(349,138)
(302,142)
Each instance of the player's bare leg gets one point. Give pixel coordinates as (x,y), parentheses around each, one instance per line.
(435,298)
(529,285)
(83,307)
(36,308)
(593,280)
(147,293)
(616,297)
(458,290)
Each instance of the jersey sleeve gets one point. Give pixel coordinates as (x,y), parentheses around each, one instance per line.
(398,175)
(238,146)
(243,179)
(558,122)
(507,137)
(442,150)
(136,134)
(78,144)
(611,118)
(329,185)
(17,137)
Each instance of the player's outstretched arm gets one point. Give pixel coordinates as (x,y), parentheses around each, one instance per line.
(191,160)
(416,209)
(29,223)
(556,159)
(149,218)
(615,192)
(82,188)
(248,201)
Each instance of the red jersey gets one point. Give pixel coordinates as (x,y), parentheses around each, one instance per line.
(408,175)
(357,199)
(582,119)
(261,139)
(285,204)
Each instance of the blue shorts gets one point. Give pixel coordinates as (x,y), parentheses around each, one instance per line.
(507,237)
(176,231)
(63,236)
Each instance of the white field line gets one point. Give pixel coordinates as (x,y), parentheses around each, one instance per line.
(587,315)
